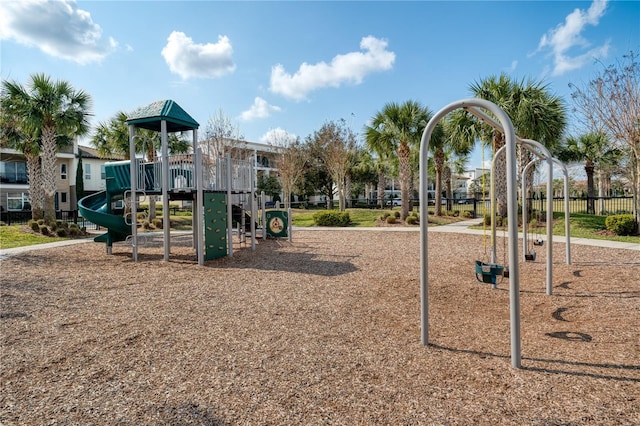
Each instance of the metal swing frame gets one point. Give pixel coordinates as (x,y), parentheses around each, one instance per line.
(474,106)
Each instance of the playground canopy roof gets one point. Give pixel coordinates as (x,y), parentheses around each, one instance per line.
(150,116)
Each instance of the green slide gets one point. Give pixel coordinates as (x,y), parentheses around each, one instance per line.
(95,209)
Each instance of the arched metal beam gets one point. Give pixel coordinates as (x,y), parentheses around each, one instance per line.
(506,127)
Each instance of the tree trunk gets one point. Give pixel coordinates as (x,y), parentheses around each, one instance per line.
(438,160)
(36,196)
(591,204)
(500,175)
(448,190)
(404,160)
(49,151)
(381,186)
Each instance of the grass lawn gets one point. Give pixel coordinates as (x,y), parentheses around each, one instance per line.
(20,235)
(362,217)
(582,226)
(16,236)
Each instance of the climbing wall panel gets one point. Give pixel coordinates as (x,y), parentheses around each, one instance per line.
(215,226)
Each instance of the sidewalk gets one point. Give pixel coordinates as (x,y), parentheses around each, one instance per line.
(457,227)
(463,228)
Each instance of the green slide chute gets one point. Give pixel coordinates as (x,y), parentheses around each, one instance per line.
(95,209)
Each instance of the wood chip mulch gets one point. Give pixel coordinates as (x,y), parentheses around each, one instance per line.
(321,330)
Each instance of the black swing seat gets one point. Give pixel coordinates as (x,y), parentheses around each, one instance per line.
(531,256)
(488,272)
(538,242)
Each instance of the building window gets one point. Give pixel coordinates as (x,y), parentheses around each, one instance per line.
(63,197)
(63,171)
(103,175)
(13,172)
(87,171)
(18,201)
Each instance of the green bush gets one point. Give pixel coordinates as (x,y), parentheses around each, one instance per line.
(467,214)
(396,214)
(146,224)
(44,230)
(391,219)
(331,218)
(61,232)
(411,220)
(621,224)
(40,221)
(385,215)
(35,227)
(157,222)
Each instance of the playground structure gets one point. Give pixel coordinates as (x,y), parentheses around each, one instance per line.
(503,124)
(221,189)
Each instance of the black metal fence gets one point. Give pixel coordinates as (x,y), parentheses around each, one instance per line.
(23,217)
(602,206)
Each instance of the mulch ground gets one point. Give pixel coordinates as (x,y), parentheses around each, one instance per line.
(322,330)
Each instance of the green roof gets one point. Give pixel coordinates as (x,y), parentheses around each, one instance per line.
(150,116)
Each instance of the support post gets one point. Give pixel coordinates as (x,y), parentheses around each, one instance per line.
(166,219)
(133,167)
(229,210)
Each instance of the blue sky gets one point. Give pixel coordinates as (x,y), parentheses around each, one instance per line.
(293,65)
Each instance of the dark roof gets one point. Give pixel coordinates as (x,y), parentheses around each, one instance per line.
(93,153)
(150,116)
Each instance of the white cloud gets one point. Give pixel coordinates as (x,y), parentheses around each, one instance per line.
(566,38)
(191,60)
(278,137)
(513,66)
(58,28)
(259,109)
(351,67)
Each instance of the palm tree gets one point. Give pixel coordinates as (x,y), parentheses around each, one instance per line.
(54,111)
(589,148)
(535,112)
(365,172)
(394,130)
(11,136)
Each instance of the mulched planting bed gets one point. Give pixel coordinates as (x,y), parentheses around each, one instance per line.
(323,330)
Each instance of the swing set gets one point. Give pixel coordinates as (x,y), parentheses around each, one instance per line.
(489,271)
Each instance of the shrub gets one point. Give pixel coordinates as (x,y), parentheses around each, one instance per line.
(147,225)
(621,224)
(34,226)
(44,230)
(411,220)
(2,223)
(157,222)
(396,214)
(331,218)
(61,232)
(467,214)
(391,219)
(40,221)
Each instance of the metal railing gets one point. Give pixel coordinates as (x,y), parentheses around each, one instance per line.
(182,172)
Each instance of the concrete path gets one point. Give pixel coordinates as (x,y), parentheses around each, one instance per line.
(457,227)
